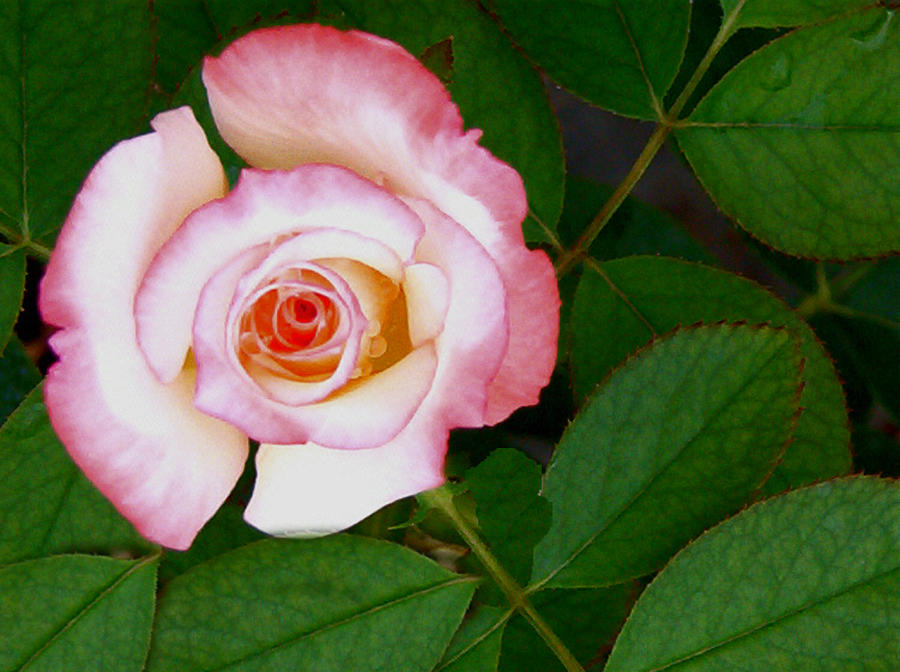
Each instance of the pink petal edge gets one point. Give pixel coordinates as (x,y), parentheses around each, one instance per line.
(163,464)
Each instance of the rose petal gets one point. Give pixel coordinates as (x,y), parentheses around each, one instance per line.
(379,405)
(532,302)
(475,333)
(308,93)
(427,297)
(309,490)
(164,465)
(218,364)
(263,207)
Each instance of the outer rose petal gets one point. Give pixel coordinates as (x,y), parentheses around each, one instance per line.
(262,207)
(308,93)
(310,490)
(166,466)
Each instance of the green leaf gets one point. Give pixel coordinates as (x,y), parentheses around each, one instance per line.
(46,504)
(76,612)
(586,620)
(512,516)
(676,439)
(336,603)
(18,376)
(495,88)
(623,303)
(187,30)
(874,296)
(805,582)
(73,80)
(799,148)
(619,54)
(774,13)
(476,646)
(225,531)
(12,289)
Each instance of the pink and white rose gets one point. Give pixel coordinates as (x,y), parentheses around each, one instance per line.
(362,290)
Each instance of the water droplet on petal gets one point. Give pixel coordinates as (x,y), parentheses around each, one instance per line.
(377,346)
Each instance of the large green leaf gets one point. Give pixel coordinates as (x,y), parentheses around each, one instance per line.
(619,54)
(495,88)
(73,80)
(801,141)
(76,612)
(46,503)
(476,646)
(808,582)
(675,440)
(511,513)
(772,13)
(336,603)
(12,288)
(623,303)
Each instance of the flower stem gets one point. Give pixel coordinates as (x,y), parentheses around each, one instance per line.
(667,122)
(442,499)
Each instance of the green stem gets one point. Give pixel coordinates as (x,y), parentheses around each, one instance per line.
(667,122)
(442,498)
(20,241)
(566,260)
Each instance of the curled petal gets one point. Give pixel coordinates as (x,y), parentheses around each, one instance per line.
(427,297)
(263,208)
(165,466)
(475,332)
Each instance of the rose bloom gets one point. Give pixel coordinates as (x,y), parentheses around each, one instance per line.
(362,290)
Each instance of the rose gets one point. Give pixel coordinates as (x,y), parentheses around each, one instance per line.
(363,289)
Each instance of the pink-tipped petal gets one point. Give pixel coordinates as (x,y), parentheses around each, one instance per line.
(264,207)
(532,301)
(475,333)
(427,298)
(166,466)
(308,93)
(310,490)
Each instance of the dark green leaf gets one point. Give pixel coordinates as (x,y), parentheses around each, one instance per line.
(512,516)
(76,612)
(676,439)
(619,54)
(800,148)
(73,80)
(337,603)
(225,531)
(187,30)
(620,306)
(586,621)
(18,376)
(476,646)
(875,295)
(46,503)
(495,88)
(808,582)
(12,288)
(773,13)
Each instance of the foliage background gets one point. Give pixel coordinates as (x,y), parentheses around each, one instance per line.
(704,375)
